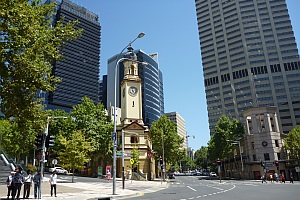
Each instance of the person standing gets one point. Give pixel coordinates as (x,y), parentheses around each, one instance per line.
(18,180)
(291,178)
(36,181)
(9,182)
(27,184)
(53,181)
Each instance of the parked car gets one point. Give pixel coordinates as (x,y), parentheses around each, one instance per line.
(59,170)
(213,174)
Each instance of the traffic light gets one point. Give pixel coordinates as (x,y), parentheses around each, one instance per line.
(39,141)
(219,162)
(46,155)
(50,141)
(276,163)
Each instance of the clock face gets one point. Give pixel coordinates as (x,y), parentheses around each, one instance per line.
(133,90)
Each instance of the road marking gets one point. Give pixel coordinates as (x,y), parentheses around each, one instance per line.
(191,188)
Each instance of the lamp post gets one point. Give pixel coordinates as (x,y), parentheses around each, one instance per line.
(114,136)
(239,143)
(44,150)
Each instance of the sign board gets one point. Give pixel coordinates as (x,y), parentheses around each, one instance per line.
(269,164)
(131,161)
(149,154)
(54,162)
(297,169)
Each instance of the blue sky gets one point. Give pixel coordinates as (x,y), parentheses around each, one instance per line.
(170,28)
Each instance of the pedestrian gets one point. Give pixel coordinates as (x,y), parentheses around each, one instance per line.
(108,175)
(36,181)
(27,184)
(263,179)
(282,178)
(18,181)
(271,178)
(9,183)
(291,178)
(276,177)
(53,181)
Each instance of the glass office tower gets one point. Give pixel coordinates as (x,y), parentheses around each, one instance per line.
(249,58)
(79,69)
(152,85)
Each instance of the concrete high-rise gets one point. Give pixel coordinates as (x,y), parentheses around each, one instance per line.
(250,59)
(152,85)
(180,124)
(79,69)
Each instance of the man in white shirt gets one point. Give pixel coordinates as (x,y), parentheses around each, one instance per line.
(53,180)
(27,184)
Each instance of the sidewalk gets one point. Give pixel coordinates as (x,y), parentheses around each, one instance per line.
(95,190)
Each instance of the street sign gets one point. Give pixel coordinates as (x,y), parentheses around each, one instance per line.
(297,169)
(149,154)
(131,161)
(54,161)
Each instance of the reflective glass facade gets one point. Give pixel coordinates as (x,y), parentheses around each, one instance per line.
(79,70)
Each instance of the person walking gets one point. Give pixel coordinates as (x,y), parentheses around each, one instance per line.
(27,184)
(36,181)
(53,181)
(9,183)
(283,178)
(291,178)
(18,181)
(263,179)
(271,178)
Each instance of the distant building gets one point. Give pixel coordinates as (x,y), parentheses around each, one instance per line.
(180,123)
(191,153)
(103,90)
(80,69)
(152,85)
(250,59)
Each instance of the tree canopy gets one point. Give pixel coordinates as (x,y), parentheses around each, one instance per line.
(29,44)
(164,136)
(292,143)
(225,130)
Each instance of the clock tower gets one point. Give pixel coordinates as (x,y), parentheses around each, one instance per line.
(131,94)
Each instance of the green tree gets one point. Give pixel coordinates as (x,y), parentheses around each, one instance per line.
(91,119)
(74,152)
(201,156)
(164,137)
(14,142)
(218,146)
(29,45)
(292,143)
(135,156)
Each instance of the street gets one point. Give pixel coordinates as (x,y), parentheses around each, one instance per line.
(191,187)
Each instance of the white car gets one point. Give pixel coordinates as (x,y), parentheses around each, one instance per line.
(59,170)
(213,174)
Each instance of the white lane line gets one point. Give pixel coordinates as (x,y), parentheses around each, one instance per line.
(191,188)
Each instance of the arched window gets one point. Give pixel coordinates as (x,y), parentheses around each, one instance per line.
(134,139)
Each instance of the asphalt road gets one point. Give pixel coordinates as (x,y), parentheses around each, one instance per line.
(191,187)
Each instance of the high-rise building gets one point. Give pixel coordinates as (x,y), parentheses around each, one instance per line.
(152,85)
(79,69)
(180,123)
(250,59)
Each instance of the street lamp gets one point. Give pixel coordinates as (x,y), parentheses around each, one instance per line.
(239,143)
(44,150)
(115,105)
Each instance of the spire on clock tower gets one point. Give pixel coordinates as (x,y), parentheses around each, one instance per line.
(131,90)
